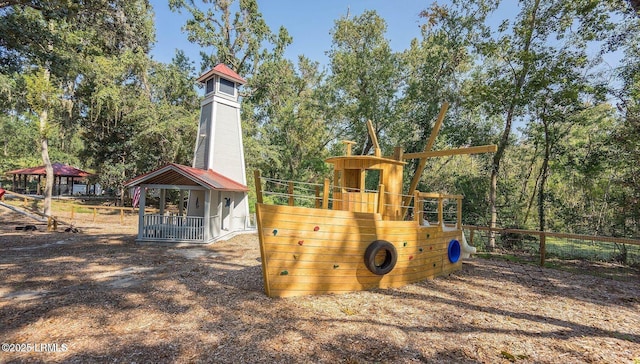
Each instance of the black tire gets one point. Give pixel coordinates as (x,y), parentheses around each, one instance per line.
(390,259)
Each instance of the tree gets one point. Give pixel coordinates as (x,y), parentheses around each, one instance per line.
(239,39)
(366,79)
(515,64)
(51,41)
(294,135)
(436,66)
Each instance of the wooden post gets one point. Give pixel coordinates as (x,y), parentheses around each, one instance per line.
(381,199)
(423,161)
(417,207)
(52,223)
(398,152)
(325,194)
(440,212)
(374,139)
(459,214)
(543,247)
(290,192)
(471,232)
(258,183)
(318,201)
(348,143)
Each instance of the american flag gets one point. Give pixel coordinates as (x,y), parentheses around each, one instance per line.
(136,197)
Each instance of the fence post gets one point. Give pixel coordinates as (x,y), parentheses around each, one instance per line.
(543,247)
(317,198)
(471,232)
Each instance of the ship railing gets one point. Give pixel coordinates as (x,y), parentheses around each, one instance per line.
(438,209)
(293,193)
(428,209)
(396,206)
(275,191)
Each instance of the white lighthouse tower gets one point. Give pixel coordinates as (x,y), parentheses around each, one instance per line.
(219,148)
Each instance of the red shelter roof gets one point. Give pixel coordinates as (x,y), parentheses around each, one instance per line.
(59,170)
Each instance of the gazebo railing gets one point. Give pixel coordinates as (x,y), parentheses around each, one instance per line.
(173,228)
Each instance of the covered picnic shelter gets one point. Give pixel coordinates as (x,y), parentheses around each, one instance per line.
(22,177)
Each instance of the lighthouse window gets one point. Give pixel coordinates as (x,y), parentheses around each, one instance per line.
(209,86)
(227,87)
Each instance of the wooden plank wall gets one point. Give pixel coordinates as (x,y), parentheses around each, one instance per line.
(312,251)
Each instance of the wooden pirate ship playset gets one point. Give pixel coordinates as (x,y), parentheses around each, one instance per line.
(359,232)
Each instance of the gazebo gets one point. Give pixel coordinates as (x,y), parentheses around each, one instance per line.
(214,213)
(21,178)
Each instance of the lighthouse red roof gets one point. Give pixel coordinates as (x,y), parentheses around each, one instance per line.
(224,71)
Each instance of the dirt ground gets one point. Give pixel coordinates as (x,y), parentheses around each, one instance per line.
(97,296)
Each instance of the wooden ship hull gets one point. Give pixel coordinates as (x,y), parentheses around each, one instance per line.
(360,232)
(315,251)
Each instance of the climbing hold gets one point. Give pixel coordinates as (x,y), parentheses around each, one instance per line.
(434,265)
(275,232)
(420,250)
(430,248)
(335,266)
(410,257)
(404,244)
(284,273)
(316,228)
(300,242)
(428,235)
(295,256)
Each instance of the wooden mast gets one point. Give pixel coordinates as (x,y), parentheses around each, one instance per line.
(423,161)
(374,139)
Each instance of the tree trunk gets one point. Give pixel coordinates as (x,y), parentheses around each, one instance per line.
(504,140)
(44,145)
(544,174)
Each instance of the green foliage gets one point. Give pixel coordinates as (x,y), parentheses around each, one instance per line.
(41,94)
(568,159)
(235,30)
(365,81)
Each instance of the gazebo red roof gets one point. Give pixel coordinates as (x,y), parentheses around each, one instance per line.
(59,170)
(222,70)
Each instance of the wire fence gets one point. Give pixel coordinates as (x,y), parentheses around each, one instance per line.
(608,256)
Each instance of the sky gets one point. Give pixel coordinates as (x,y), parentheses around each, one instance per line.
(309,22)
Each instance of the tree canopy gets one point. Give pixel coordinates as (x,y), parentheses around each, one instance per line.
(78,84)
